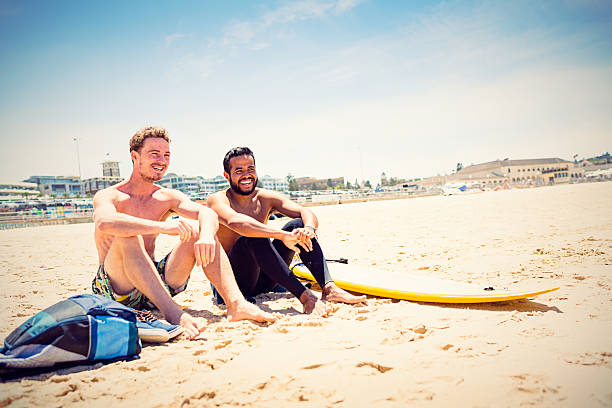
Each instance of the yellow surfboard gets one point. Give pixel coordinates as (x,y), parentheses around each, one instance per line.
(415,287)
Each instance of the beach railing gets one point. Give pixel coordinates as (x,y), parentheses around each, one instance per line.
(49,216)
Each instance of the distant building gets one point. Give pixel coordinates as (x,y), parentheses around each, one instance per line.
(307,183)
(92,185)
(194,186)
(72,186)
(270,183)
(512,172)
(110,176)
(110,168)
(214,184)
(188,185)
(536,171)
(57,186)
(16,191)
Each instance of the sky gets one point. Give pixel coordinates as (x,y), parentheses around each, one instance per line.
(320,88)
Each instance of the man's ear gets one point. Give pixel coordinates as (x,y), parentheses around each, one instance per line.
(226,175)
(133,155)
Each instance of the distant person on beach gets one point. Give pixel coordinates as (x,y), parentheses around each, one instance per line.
(260,264)
(128,218)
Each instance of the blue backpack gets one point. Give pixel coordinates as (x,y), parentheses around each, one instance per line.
(83,328)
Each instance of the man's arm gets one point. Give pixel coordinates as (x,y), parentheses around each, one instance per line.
(110,221)
(246,225)
(286,206)
(208,222)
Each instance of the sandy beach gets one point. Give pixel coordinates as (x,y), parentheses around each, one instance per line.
(552,350)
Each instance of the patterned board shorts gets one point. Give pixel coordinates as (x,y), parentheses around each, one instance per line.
(135,299)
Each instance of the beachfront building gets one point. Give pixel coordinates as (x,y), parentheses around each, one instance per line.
(57,186)
(277,184)
(512,172)
(195,187)
(500,173)
(110,168)
(17,191)
(311,183)
(214,184)
(185,184)
(92,185)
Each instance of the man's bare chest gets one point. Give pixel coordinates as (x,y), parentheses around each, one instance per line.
(258,210)
(151,209)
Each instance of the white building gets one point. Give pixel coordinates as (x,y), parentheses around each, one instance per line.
(271,183)
(19,190)
(185,184)
(214,184)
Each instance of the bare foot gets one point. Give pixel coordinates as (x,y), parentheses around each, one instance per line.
(313,305)
(244,310)
(191,326)
(332,293)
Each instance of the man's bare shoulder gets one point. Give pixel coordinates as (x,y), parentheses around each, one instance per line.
(265,194)
(108,194)
(169,193)
(220,197)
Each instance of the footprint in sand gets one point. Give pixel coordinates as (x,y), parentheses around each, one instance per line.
(533,384)
(314,366)
(222,344)
(379,368)
(70,388)
(593,359)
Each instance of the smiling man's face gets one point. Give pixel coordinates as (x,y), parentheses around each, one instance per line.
(153,159)
(243,176)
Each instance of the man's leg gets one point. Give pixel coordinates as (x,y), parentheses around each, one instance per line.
(219,273)
(259,268)
(129,266)
(271,269)
(314,260)
(316,264)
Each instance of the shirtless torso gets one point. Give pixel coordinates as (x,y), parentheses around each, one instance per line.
(156,206)
(244,210)
(258,207)
(129,217)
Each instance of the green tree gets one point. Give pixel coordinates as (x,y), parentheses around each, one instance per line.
(293,184)
(459,167)
(367,184)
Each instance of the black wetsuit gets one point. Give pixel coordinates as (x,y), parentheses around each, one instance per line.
(260,264)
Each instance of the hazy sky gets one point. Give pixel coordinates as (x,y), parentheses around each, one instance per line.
(322,88)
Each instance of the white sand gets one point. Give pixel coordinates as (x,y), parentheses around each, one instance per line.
(553,350)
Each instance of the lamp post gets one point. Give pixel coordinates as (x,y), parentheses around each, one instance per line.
(78,155)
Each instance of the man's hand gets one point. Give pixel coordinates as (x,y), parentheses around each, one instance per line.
(306,235)
(204,250)
(184,229)
(290,240)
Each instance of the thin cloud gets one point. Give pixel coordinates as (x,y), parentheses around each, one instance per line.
(192,65)
(172,38)
(243,32)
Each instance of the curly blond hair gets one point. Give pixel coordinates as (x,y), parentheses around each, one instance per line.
(149,131)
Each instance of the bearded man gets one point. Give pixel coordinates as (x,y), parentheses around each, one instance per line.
(259,254)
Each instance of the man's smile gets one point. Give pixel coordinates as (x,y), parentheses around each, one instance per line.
(246,181)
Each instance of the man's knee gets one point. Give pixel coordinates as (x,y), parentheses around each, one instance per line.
(293,224)
(258,245)
(132,242)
